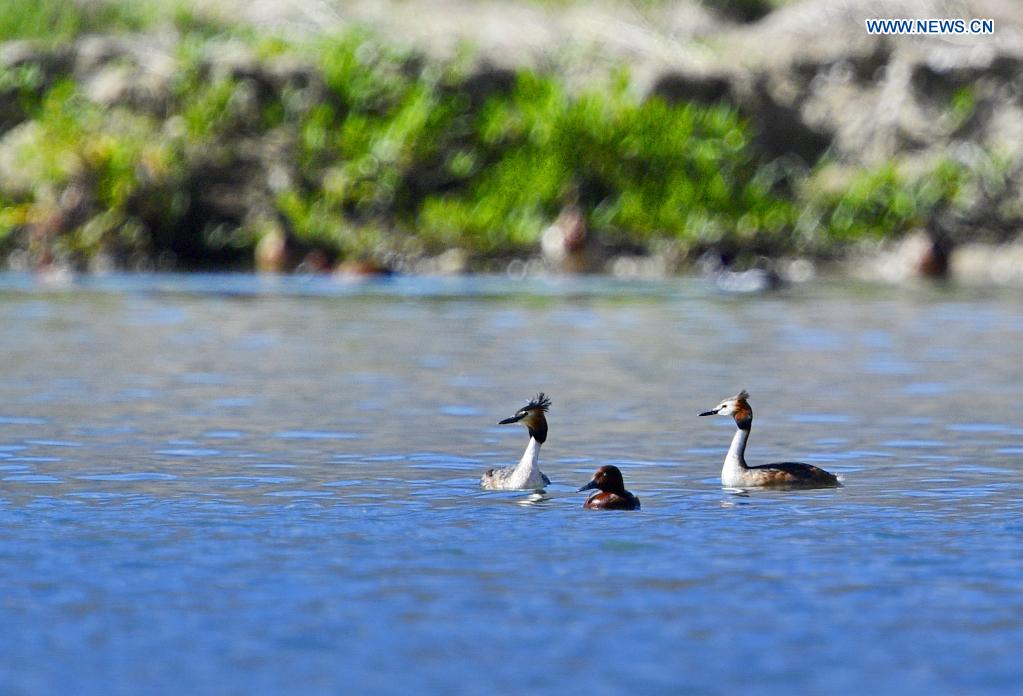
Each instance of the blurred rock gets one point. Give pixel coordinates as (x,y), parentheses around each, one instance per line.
(986,264)
(52,62)
(487,80)
(452,262)
(628,267)
(19,175)
(695,86)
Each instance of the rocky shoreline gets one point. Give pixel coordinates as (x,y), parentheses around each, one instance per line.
(823,101)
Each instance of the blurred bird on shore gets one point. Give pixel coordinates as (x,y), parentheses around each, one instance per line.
(565,243)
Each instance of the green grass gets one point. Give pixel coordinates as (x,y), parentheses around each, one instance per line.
(644,170)
(117,160)
(398,154)
(415,150)
(59,21)
(56,21)
(883,201)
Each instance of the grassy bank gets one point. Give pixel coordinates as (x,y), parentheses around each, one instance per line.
(347,148)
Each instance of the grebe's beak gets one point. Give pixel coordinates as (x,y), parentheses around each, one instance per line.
(712,412)
(589,486)
(513,419)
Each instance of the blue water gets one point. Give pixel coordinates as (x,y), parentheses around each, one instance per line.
(232,484)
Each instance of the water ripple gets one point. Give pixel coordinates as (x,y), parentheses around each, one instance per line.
(133,476)
(977,428)
(314,435)
(461,411)
(255,479)
(913,443)
(32,478)
(300,494)
(820,418)
(21,420)
(189,452)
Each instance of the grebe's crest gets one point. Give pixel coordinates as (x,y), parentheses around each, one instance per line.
(539,405)
(540,401)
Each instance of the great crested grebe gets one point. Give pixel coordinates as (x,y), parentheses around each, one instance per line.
(525,475)
(613,495)
(736,474)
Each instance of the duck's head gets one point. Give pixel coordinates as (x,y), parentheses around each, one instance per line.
(608,478)
(737,406)
(532,416)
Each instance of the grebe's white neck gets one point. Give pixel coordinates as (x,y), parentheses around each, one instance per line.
(530,458)
(527,471)
(735,460)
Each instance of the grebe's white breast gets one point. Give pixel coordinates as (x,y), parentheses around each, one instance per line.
(525,475)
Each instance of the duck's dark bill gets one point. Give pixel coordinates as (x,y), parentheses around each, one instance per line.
(513,419)
(709,413)
(589,486)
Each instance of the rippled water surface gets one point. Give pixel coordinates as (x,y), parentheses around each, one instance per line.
(240,485)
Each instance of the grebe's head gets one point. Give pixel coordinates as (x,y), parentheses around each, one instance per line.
(737,406)
(532,416)
(608,478)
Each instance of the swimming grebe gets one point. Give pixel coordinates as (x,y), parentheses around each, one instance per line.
(613,495)
(736,474)
(525,475)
